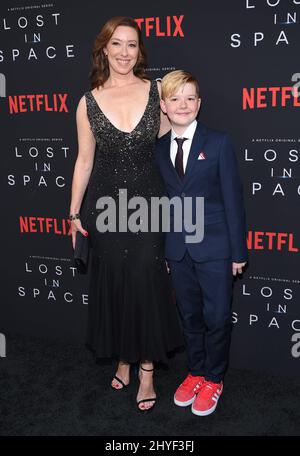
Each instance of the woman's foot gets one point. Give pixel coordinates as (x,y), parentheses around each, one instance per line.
(146,396)
(121,379)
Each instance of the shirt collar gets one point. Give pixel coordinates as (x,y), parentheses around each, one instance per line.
(188,132)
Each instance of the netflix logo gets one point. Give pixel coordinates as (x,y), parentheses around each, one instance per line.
(44,225)
(57,102)
(265,240)
(161,27)
(270,97)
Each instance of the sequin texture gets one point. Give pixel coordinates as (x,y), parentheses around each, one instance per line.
(123,161)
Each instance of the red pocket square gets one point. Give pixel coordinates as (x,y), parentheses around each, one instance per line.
(201,155)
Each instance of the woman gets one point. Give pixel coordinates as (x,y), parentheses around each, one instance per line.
(131,314)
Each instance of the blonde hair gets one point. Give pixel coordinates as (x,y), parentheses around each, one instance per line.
(172,81)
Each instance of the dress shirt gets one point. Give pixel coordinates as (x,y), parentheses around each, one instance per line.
(188,133)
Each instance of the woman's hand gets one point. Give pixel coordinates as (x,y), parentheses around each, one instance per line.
(237,268)
(76,226)
(167,266)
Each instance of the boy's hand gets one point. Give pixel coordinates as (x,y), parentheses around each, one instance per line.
(237,268)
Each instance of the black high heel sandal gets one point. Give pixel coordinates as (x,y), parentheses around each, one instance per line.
(121,382)
(115,377)
(153,399)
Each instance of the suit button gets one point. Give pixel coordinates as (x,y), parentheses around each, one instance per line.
(182,194)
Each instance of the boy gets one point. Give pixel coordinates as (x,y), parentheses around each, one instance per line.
(196,161)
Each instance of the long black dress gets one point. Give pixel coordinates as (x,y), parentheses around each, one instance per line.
(132,316)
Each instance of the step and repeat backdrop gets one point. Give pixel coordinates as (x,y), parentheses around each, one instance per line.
(246,56)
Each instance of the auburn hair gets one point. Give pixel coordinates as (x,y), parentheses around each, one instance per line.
(100,68)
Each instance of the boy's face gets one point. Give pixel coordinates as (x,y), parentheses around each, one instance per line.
(182,107)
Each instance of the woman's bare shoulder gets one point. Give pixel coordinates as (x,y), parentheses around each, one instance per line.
(82,102)
(81,110)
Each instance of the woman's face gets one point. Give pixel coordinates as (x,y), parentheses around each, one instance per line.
(122,50)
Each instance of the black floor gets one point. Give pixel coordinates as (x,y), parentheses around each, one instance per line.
(54,389)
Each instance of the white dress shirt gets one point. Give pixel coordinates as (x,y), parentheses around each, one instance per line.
(186,146)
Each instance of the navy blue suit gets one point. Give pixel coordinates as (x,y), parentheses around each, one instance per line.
(202,272)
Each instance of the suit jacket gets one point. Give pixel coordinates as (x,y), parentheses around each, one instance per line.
(216,178)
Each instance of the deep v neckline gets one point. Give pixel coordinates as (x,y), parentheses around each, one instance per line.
(139,122)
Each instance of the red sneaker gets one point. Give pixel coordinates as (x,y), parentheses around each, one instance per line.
(207,399)
(187,391)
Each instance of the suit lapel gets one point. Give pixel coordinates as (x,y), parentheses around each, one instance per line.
(167,159)
(196,147)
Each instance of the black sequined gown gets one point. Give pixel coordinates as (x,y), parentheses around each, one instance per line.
(132,316)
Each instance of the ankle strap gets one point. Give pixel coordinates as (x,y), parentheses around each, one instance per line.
(147,370)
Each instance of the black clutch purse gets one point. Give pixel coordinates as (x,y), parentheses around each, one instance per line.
(81,253)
